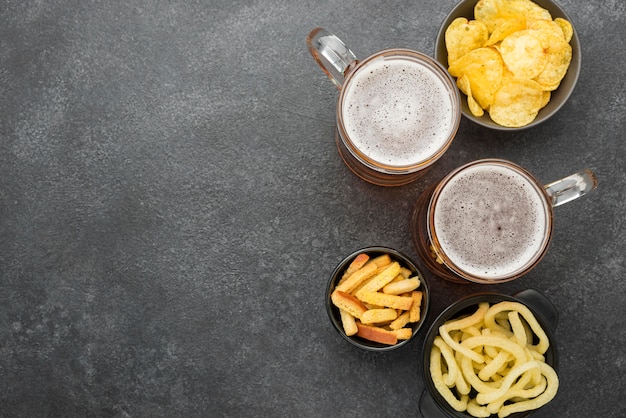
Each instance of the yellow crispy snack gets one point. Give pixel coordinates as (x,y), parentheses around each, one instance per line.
(463,36)
(376,334)
(367,311)
(358,262)
(382,299)
(387,274)
(378,316)
(523,42)
(542,345)
(357,277)
(566,27)
(517,102)
(494,12)
(529,10)
(381,260)
(348,303)
(465,86)
(348,322)
(436,373)
(525,53)
(489,355)
(558,59)
(484,68)
(488,12)
(400,321)
(403,333)
(401,286)
(545,99)
(505,28)
(405,272)
(415,311)
(548,27)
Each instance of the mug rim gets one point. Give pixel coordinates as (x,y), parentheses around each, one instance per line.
(440,71)
(508,276)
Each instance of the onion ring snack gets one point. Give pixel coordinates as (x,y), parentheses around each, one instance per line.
(493,361)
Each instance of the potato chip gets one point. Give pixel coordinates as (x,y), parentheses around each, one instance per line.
(464,85)
(558,58)
(484,68)
(549,27)
(487,11)
(517,102)
(524,53)
(559,53)
(545,98)
(530,10)
(463,36)
(474,107)
(494,12)
(504,28)
(550,87)
(566,27)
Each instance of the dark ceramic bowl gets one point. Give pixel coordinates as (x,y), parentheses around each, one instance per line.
(559,96)
(432,404)
(333,311)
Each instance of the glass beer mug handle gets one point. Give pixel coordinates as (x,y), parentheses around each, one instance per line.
(332,55)
(571,187)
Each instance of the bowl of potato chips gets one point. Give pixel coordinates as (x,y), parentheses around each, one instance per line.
(377,299)
(491,355)
(516,62)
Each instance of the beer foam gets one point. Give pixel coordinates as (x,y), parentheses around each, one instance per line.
(398,111)
(491,221)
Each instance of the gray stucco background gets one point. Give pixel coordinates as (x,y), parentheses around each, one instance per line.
(172,203)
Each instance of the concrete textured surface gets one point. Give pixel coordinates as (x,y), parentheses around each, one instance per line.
(172,203)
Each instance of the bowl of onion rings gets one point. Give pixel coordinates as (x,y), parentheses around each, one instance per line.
(491,355)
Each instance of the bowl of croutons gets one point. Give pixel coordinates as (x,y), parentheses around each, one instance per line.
(377,299)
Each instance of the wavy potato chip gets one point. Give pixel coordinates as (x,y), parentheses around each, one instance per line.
(505,28)
(530,10)
(474,107)
(488,12)
(548,27)
(545,98)
(463,36)
(525,53)
(494,12)
(464,85)
(559,53)
(484,69)
(517,102)
(559,57)
(566,27)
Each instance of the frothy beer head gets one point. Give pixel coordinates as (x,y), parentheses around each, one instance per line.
(399,111)
(491,221)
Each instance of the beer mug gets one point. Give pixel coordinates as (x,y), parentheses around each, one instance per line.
(490,221)
(397,112)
